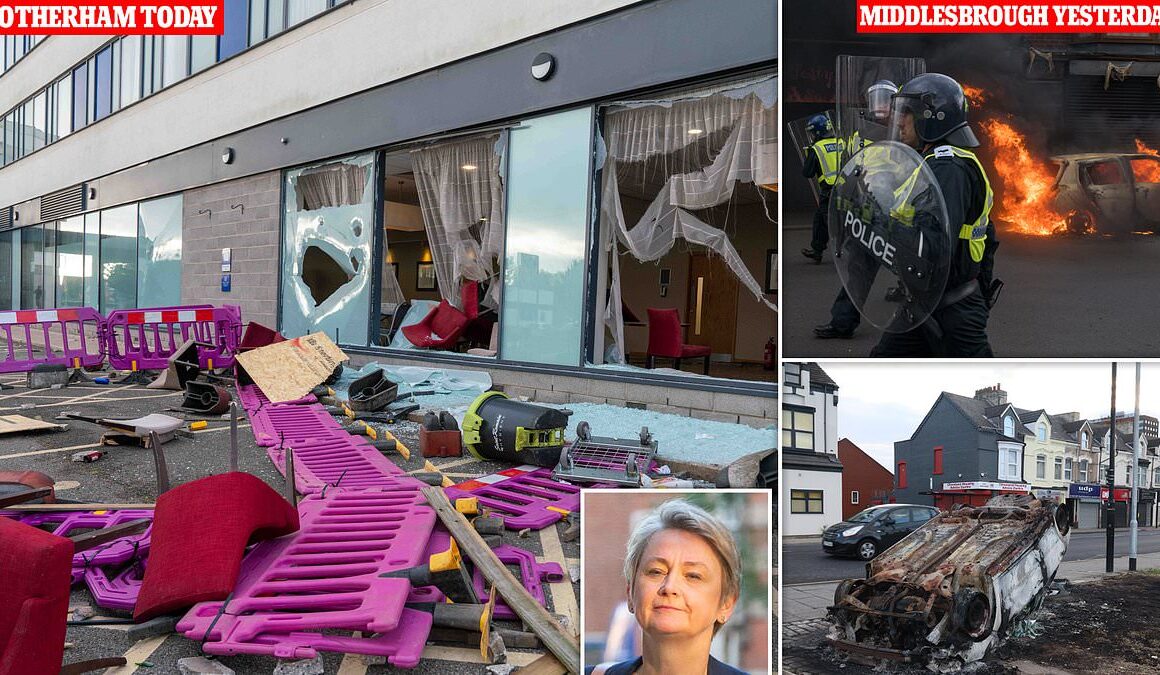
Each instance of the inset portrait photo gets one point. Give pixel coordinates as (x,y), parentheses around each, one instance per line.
(671,578)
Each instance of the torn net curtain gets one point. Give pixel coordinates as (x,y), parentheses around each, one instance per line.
(461,197)
(736,141)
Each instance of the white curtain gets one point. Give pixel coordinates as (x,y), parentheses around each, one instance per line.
(461,197)
(338,184)
(692,152)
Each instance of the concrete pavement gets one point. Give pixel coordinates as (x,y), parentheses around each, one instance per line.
(805,602)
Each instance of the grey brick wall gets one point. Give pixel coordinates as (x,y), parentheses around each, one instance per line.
(251,232)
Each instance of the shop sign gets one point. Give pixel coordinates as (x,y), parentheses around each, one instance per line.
(987,485)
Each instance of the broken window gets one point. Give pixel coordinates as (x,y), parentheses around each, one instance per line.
(326,248)
(1104,173)
(443,230)
(687,215)
(1146,170)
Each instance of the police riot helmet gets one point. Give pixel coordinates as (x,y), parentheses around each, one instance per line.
(939,108)
(819,127)
(878,97)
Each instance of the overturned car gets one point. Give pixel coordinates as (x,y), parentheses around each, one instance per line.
(953,589)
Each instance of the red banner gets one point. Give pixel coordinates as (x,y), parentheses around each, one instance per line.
(1066,16)
(112,17)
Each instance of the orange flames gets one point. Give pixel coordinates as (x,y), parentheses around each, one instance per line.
(1146,171)
(1025,181)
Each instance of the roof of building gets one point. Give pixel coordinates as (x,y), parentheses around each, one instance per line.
(819,376)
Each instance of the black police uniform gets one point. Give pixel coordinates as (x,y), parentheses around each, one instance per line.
(957,328)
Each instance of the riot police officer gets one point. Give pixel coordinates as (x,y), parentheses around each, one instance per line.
(929,114)
(823,160)
(844,317)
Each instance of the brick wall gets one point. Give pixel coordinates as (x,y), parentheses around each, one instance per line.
(251,232)
(754,411)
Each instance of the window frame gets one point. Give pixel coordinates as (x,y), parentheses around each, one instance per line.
(806,496)
(793,430)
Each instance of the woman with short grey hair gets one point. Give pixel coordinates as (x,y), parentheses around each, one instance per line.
(683,575)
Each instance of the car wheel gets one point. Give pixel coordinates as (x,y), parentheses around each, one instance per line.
(867,549)
(972,613)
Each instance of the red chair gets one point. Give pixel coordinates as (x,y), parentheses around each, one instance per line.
(36,569)
(200,532)
(440,329)
(664,340)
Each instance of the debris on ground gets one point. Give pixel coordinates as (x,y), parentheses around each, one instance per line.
(951,591)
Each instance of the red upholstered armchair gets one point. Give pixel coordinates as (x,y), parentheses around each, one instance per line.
(200,532)
(440,329)
(36,569)
(664,340)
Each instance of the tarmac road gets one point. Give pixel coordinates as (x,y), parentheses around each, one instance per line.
(804,562)
(1064,297)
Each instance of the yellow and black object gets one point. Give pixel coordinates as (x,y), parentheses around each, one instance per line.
(447,571)
(497,427)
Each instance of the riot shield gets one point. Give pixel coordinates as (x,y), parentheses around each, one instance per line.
(891,240)
(801,142)
(860,119)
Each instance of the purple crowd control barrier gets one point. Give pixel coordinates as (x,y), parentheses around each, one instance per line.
(292,425)
(116,552)
(532,573)
(116,592)
(29,338)
(525,496)
(252,398)
(144,339)
(327,576)
(337,459)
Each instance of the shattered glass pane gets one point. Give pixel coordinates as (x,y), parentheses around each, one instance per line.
(326,245)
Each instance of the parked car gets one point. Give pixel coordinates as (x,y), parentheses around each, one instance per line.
(875,529)
(1109,192)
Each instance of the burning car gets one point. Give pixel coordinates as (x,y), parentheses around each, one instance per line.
(1108,193)
(952,590)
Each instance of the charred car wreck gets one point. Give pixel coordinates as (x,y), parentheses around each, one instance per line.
(952,590)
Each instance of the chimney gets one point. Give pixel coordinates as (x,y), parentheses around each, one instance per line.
(992,395)
(1069,416)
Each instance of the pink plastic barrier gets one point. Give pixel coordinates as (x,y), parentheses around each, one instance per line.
(30,338)
(144,339)
(526,496)
(118,591)
(114,553)
(252,398)
(337,458)
(326,576)
(292,425)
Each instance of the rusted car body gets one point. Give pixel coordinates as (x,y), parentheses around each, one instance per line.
(1108,193)
(952,589)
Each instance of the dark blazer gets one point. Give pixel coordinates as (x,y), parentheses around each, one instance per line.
(629,667)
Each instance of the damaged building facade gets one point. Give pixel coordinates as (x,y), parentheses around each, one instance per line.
(575,197)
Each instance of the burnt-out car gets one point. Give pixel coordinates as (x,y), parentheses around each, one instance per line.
(1108,193)
(953,589)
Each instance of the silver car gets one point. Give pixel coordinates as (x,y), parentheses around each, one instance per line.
(1109,192)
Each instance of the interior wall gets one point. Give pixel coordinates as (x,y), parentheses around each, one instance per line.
(406,249)
(753,236)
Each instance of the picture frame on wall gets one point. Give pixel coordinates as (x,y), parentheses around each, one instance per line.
(771,270)
(425,276)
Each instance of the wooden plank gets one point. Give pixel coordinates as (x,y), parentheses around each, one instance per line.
(559,641)
(545,665)
(16,424)
(286,371)
(78,507)
(28,495)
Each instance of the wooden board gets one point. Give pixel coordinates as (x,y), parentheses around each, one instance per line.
(16,424)
(562,644)
(288,370)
